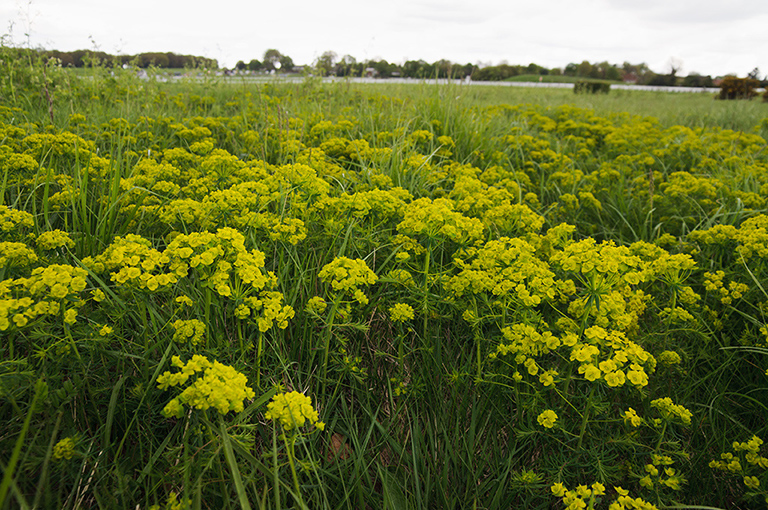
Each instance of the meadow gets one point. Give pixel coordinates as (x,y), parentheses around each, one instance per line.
(216,294)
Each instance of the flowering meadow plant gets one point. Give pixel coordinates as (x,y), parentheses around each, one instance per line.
(492,305)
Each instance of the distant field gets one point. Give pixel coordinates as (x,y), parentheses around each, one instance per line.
(550,78)
(698,109)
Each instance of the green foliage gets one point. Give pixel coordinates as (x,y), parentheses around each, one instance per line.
(326,296)
(591,87)
(738,88)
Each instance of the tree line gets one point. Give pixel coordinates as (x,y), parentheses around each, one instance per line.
(87,58)
(329,64)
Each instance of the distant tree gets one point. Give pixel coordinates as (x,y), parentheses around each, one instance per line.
(240,66)
(178,61)
(325,63)
(571,69)
(254,65)
(533,69)
(661,80)
(416,69)
(442,68)
(153,59)
(347,66)
(286,64)
(383,68)
(271,59)
(587,70)
(697,80)
(675,66)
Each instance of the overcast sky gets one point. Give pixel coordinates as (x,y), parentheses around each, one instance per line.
(714,37)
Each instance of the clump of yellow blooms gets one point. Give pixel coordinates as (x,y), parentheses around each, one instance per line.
(134,264)
(547,419)
(583,497)
(14,222)
(632,418)
(13,254)
(660,472)
(401,312)
(436,220)
(602,355)
(292,410)
(189,331)
(173,503)
(748,462)
(47,291)
(215,385)
(316,305)
(507,271)
(713,282)
(54,239)
(672,412)
(669,358)
(64,449)
(346,276)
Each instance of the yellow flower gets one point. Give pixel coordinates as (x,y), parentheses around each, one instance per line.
(218,385)
(64,449)
(292,410)
(547,419)
(401,312)
(631,417)
(316,305)
(558,489)
(591,372)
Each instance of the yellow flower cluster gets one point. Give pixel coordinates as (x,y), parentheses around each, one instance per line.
(583,497)
(672,412)
(13,223)
(669,358)
(713,282)
(134,264)
(401,312)
(219,261)
(189,331)
(660,472)
(632,418)
(346,276)
(13,254)
(53,239)
(216,385)
(437,220)
(316,305)
(64,449)
(292,410)
(749,463)
(601,354)
(173,503)
(547,419)
(47,291)
(507,270)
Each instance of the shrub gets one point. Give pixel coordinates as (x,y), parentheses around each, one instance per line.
(737,88)
(591,87)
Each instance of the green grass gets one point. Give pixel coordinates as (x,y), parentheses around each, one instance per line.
(552,78)
(512,222)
